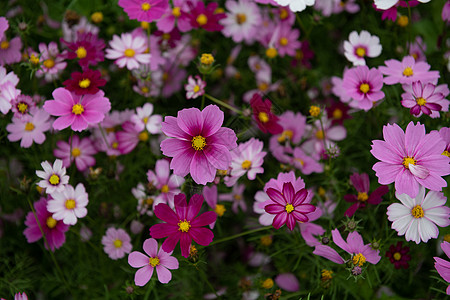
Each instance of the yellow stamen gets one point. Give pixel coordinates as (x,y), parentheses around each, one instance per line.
(145,25)
(326,274)
(149,201)
(267,284)
(447,238)
(29,126)
(34,59)
(51,223)
(360,51)
(364,87)
(301,161)
(145,90)
(271,52)
(77,109)
(421,101)
(184,226)
(359,259)
(115,145)
(314,111)
(263,86)
(49,63)
(283,13)
(320,135)
(241,18)
(196,89)
(81,52)
(408,71)
(145,6)
(263,117)
(409,160)
(289,208)
(153,261)
(129,52)
(165,189)
(284,41)
(266,240)
(117,243)
(362,197)
(84,84)
(97,17)
(70,204)
(417,212)
(76,152)
(22,107)
(446,153)
(176,11)
(337,114)
(403,21)
(143,136)
(397,256)
(198,142)
(54,179)
(220,209)
(4,45)
(207,59)
(286,135)
(202,20)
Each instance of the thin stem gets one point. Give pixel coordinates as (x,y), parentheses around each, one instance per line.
(239,235)
(203,96)
(203,275)
(220,102)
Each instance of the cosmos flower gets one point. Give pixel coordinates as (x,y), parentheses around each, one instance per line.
(242,21)
(195,87)
(407,71)
(116,243)
(84,83)
(443,266)
(144,10)
(29,128)
(361,45)
(54,178)
(424,99)
(69,205)
(128,50)
(398,255)
(81,151)
(296,5)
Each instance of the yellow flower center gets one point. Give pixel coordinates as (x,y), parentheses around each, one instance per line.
(403,21)
(289,208)
(207,59)
(153,261)
(115,145)
(364,87)
(202,20)
(362,197)
(149,201)
(421,101)
(145,90)
(145,25)
(34,59)
(359,259)
(54,179)
(320,135)
(51,223)
(417,212)
(196,89)
(327,274)
(408,71)
(77,109)
(284,14)
(271,52)
(176,11)
(117,243)
(198,142)
(397,256)
(446,153)
(241,18)
(165,189)
(145,6)
(4,45)
(266,240)
(22,107)
(70,204)
(84,84)
(97,17)
(81,52)
(263,117)
(76,152)
(184,226)
(447,238)
(360,51)
(166,36)
(409,160)
(237,197)
(268,283)
(286,135)
(143,136)
(29,126)
(314,111)
(337,114)
(222,172)
(284,41)
(129,52)
(49,63)
(220,209)
(301,161)
(246,164)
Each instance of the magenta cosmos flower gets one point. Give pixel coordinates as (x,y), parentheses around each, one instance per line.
(410,159)
(183,225)
(159,260)
(407,71)
(199,144)
(144,10)
(364,86)
(289,206)
(84,83)
(205,17)
(362,184)
(267,121)
(54,230)
(423,98)
(76,111)
(443,266)
(398,256)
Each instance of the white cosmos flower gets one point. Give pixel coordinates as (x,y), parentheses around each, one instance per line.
(54,177)
(296,5)
(69,204)
(361,45)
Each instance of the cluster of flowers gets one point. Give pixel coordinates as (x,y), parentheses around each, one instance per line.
(197,146)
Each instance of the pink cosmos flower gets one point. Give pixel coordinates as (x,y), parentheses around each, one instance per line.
(128,50)
(444,132)
(29,128)
(363,86)
(287,42)
(211,197)
(205,17)
(416,218)
(144,10)
(417,49)
(247,158)
(311,231)
(116,243)
(77,111)
(407,71)
(10,51)
(288,282)
(267,121)
(410,159)
(156,259)
(69,205)
(305,163)
(178,14)
(54,230)
(445,16)
(8,91)
(237,197)
(20,296)
(168,184)
(54,178)
(183,225)
(143,119)
(52,62)
(195,87)
(81,151)
(22,105)
(129,137)
(288,207)
(87,48)
(199,145)
(242,21)
(423,98)
(362,184)
(354,246)
(361,45)
(443,266)
(4,25)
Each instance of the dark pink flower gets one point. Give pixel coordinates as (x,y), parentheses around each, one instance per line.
(85,83)
(205,17)
(183,225)
(87,48)
(267,121)
(424,98)
(144,10)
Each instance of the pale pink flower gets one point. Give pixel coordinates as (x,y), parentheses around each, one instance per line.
(144,119)
(81,151)
(29,128)
(144,10)
(4,25)
(407,71)
(10,51)
(361,45)
(167,184)
(54,178)
(195,87)
(242,21)
(129,51)
(237,197)
(8,91)
(69,205)
(116,243)
(52,62)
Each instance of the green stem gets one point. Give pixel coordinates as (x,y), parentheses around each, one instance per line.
(220,102)
(203,96)
(239,235)
(203,275)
